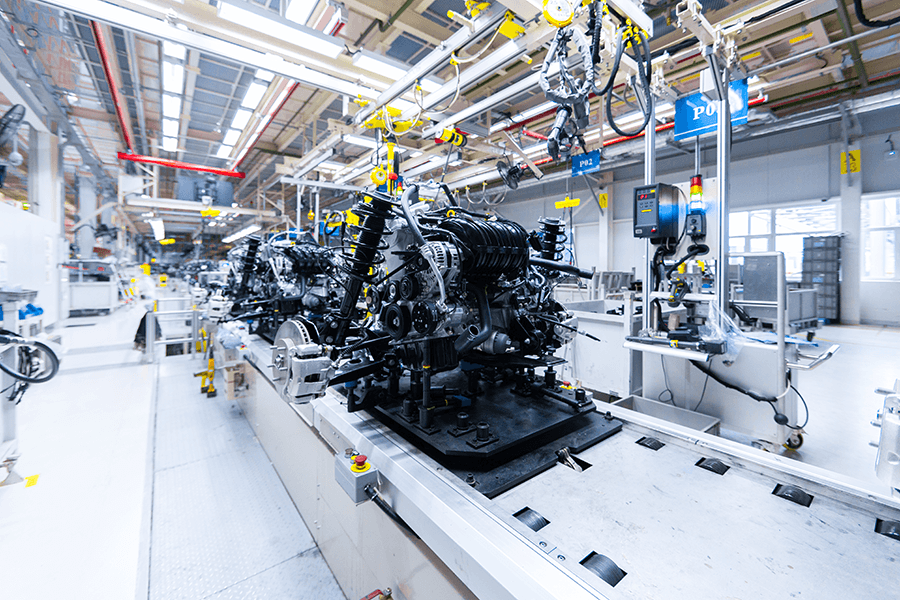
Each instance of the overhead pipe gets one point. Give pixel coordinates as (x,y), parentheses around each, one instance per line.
(287,97)
(113,88)
(177,164)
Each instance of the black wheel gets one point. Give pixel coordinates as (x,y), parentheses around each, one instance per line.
(810,335)
(794,441)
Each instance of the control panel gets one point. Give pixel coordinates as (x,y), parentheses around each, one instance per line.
(656,212)
(354,472)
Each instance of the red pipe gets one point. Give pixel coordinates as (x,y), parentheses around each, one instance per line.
(621,139)
(261,133)
(177,164)
(534,135)
(113,88)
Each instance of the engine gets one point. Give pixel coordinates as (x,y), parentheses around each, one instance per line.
(445,317)
(282,278)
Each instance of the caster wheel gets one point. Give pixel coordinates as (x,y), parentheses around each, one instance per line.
(794,441)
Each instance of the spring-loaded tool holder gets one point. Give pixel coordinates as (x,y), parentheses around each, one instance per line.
(553,238)
(249,263)
(359,264)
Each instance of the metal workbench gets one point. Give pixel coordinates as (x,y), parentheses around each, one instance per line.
(677,530)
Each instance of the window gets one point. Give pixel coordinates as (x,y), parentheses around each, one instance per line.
(880,231)
(782,230)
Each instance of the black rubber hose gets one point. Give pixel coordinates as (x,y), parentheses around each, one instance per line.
(390,512)
(693,250)
(450,196)
(858,9)
(620,48)
(411,191)
(645,84)
(464,343)
(560,266)
(755,395)
(54,361)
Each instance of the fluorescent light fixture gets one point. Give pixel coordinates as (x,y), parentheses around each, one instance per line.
(171,106)
(264,75)
(273,25)
(313,161)
(335,23)
(173,77)
(158,227)
(241,118)
(254,94)
(174,50)
(358,140)
(299,11)
(224,151)
(170,127)
(390,68)
(241,234)
(231,137)
(403,105)
(434,162)
(329,166)
(170,144)
(415,154)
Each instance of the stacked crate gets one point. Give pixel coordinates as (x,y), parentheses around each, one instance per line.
(822,270)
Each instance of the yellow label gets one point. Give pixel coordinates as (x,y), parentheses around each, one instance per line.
(855,162)
(603,199)
(568,202)
(31,480)
(752,55)
(801,38)
(352,219)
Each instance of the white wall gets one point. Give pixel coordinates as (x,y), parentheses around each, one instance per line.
(34,250)
(878,302)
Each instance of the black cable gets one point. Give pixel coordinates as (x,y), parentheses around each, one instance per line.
(805,407)
(858,9)
(780,418)
(642,58)
(390,512)
(54,362)
(731,386)
(775,11)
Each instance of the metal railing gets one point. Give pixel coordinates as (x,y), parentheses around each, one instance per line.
(151,341)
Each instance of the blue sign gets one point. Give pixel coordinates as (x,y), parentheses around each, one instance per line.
(586,163)
(696,114)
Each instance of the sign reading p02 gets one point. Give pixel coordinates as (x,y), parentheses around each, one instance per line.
(353,474)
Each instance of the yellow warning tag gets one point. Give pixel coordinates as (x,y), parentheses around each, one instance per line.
(851,162)
(568,202)
(31,480)
(604,200)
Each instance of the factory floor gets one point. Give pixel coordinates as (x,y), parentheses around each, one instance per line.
(146,488)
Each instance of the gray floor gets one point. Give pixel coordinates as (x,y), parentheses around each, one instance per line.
(146,487)
(842,402)
(223,525)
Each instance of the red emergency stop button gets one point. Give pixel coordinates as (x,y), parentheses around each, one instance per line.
(359,464)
